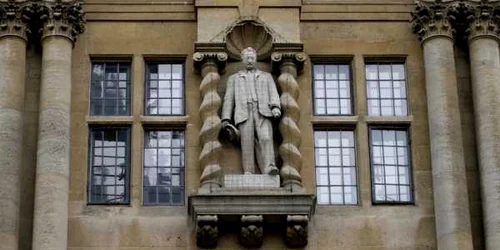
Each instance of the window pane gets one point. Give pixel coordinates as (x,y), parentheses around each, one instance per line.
(390,167)
(386,90)
(165,89)
(109,91)
(332,89)
(164,167)
(335,167)
(109,184)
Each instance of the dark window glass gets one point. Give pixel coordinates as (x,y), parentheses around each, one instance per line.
(386,89)
(336,181)
(332,89)
(165,89)
(110,89)
(390,166)
(109,166)
(163,182)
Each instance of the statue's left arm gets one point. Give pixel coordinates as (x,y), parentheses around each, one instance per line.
(274,97)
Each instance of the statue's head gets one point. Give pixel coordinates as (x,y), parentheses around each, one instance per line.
(249,58)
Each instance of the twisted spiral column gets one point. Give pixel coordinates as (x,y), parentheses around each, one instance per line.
(289,148)
(208,63)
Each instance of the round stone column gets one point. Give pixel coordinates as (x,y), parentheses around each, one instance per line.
(61,25)
(12,72)
(451,204)
(485,72)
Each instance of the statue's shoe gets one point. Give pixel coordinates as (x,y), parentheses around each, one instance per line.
(272,170)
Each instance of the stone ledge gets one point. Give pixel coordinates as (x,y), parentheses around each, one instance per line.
(264,202)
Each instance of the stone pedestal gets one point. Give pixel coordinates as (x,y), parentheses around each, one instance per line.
(254,206)
(250,181)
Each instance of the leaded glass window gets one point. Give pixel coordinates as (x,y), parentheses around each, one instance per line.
(163,182)
(165,89)
(390,165)
(332,89)
(109,166)
(386,89)
(110,89)
(336,177)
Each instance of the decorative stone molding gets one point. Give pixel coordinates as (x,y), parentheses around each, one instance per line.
(61,18)
(431,19)
(252,232)
(296,230)
(209,64)
(289,64)
(207,232)
(14,18)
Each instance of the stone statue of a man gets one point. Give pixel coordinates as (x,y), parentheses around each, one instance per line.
(252,100)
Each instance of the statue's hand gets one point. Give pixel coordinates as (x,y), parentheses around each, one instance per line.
(225,124)
(276,112)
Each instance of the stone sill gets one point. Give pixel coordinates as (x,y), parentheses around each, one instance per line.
(165,120)
(112,120)
(329,120)
(391,120)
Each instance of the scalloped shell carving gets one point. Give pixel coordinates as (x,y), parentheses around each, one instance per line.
(249,34)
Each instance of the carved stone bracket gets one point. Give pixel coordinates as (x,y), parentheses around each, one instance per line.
(458,19)
(207,231)
(209,64)
(61,18)
(296,230)
(289,63)
(14,18)
(252,232)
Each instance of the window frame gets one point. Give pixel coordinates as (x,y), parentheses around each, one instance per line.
(356,165)
(411,184)
(129,97)
(182,171)
(128,151)
(387,62)
(147,82)
(337,62)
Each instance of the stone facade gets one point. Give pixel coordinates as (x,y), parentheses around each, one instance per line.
(450,51)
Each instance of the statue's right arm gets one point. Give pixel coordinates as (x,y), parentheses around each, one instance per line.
(228,106)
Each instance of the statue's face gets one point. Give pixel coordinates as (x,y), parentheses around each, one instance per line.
(249,60)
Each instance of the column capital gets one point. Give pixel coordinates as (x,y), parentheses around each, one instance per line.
(279,59)
(480,18)
(14,18)
(431,19)
(202,58)
(61,18)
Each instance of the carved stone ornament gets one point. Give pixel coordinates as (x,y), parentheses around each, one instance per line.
(61,18)
(207,232)
(14,18)
(430,19)
(296,230)
(252,232)
(477,18)
(249,32)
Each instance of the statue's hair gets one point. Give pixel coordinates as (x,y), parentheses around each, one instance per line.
(248,49)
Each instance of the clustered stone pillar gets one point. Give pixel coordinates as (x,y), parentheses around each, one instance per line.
(13,38)
(288,64)
(453,227)
(62,22)
(485,71)
(210,64)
